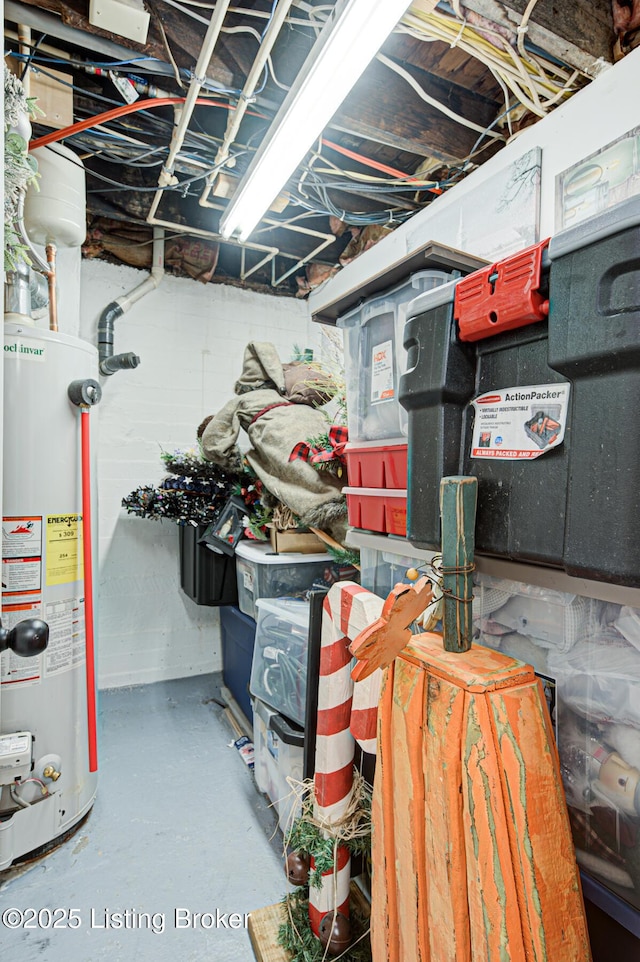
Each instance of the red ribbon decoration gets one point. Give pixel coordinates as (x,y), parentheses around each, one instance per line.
(338,437)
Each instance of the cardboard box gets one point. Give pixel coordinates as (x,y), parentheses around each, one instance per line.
(295,541)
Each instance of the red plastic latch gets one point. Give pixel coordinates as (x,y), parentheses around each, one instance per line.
(502,297)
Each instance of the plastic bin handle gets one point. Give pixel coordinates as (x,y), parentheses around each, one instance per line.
(290,734)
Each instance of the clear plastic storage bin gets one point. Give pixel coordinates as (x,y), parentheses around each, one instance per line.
(533,620)
(263,574)
(380,571)
(385,560)
(598,725)
(280,655)
(588,654)
(278,754)
(375,358)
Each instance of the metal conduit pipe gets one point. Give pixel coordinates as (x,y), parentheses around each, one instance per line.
(24,46)
(48,268)
(271,252)
(17,297)
(235,119)
(25,292)
(109,362)
(326,239)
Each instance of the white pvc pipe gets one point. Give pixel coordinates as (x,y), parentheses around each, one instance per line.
(199,77)
(235,118)
(151,282)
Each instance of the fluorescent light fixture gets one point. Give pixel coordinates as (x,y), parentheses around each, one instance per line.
(353,34)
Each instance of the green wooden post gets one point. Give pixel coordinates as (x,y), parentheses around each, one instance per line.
(458,497)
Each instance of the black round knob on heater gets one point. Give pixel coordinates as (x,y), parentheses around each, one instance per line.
(27,638)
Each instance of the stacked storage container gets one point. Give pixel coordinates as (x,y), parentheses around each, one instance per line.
(278,688)
(374,362)
(260,573)
(207,576)
(279,669)
(527,375)
(587,653)
(278,753)
(238,635)
(263,574)
(594,340)
(384,562)
(492,374)
(538,409)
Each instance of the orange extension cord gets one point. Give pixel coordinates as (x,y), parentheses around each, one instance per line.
(108,115)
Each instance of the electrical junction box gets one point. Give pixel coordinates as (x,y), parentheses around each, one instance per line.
(15,756)
(126,18)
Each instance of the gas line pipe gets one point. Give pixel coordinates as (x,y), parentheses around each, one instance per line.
(84,394)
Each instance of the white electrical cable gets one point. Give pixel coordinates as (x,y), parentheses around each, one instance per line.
(255,34)
(432,101)
(239,29)
(245,12)
(523,28)
(509,73)
(13,792)
(526,79)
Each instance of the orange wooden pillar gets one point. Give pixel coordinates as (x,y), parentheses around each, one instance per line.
(472,853)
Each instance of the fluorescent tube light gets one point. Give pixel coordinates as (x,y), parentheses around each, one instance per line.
(354,32)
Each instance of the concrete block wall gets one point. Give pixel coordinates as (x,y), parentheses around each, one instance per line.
(191,338)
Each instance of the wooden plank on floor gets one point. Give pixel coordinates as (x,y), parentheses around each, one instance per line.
(263,928)
(264,924)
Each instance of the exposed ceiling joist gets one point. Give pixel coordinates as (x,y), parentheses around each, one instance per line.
(386,145)
(579,33)
(383,107)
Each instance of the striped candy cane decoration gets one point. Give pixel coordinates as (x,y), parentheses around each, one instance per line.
(344,712)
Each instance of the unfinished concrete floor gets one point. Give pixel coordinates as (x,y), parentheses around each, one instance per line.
(177,825)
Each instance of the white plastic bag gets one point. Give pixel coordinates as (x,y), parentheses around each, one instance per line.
(600,678)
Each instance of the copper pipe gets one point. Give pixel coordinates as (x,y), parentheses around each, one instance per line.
(50,251)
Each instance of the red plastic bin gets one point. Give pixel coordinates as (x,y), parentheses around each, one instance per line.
(377,509)
(377,465)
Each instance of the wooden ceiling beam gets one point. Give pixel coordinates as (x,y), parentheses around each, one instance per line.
(383,107)
(579,33)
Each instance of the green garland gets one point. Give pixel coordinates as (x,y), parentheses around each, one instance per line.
(296,937)
(306,836)
(344,556)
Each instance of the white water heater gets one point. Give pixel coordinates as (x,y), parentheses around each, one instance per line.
(45,780)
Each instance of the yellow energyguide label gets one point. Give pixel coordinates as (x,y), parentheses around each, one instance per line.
(64,549)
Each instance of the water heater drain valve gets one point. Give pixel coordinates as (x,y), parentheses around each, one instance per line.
(48,769)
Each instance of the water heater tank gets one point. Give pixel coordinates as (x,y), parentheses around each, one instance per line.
(44,696)
(56,212)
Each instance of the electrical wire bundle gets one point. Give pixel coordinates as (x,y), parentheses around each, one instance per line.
(135,137)
(537,82)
